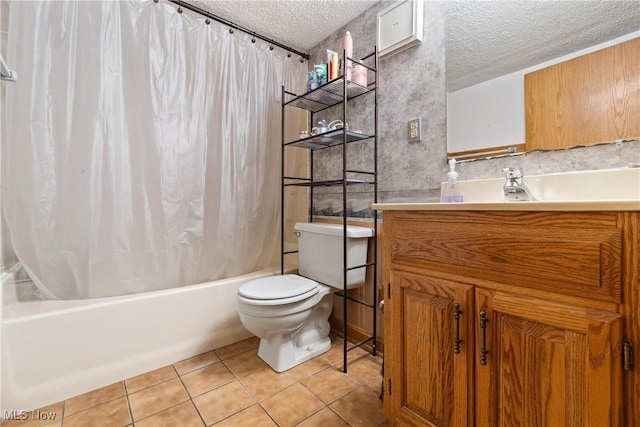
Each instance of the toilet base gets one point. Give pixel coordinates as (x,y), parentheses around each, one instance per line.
(284,356)
(283,351)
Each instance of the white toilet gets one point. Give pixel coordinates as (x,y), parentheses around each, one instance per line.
(290,313)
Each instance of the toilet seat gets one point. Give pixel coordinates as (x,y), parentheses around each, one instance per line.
(277,290)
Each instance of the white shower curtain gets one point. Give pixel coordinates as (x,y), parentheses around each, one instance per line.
(142,146)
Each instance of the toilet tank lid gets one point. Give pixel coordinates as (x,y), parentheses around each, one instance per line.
(277,287)
(334,229)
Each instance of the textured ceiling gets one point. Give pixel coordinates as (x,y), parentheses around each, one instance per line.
(485,39)
(492,38)
(300,24)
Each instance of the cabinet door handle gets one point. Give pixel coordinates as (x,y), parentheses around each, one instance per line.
(457,311)
(483,336)
(627,355)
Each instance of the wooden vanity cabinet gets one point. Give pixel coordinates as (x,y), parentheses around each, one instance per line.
(428,375)
(548,364)
(510,318)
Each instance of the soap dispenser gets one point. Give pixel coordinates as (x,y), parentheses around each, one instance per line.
(450,192)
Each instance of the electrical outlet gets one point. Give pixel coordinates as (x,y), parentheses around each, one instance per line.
(415,130)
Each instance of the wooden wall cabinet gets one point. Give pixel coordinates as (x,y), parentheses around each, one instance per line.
(475,335)
(587,100)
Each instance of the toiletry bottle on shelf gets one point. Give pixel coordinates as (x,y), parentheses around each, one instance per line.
(359,74)
(321,74)
(450,192)
(334,65)
(347,48)
(311,82)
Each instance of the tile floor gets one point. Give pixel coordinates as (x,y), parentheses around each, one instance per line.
(231,386)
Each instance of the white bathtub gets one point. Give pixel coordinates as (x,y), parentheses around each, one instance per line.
(53,350)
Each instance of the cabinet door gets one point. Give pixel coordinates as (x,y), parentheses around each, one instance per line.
(546,364)
(428,373)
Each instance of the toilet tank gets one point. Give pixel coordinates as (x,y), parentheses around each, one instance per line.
(320,253)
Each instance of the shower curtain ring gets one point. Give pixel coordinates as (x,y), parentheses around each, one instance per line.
(271,47)
(207,21)
(156,1)
(179,9)
(231,30)
(288,54)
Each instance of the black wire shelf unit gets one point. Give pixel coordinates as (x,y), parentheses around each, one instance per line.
(339,91)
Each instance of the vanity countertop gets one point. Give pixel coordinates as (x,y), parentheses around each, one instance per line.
(571,205)
(599,190)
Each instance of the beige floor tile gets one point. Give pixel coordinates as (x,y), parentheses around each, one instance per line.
(150,378)
(329,384)
(245,363)
(254,416)
(265,382)
(255,341)
(26,420)
(386,423)
(234,349)
(334,355)
(50,415)
(54,410)
(183,415)
(223,402)
(93,398)
(336,358)
(157,398)
(375,385)
(308,368)
(361,408)
(326,417)
(196,362)
(207,378)
(291,405)
(113,414)
(365,368)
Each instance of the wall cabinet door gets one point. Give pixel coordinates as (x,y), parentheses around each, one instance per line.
(428,351)
(590,99)
(540,363)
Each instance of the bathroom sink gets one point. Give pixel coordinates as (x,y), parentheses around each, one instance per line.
(597,185)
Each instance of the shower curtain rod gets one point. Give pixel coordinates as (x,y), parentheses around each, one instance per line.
(236,27)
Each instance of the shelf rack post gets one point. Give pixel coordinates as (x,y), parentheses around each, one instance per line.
(345,320)
(282,180)
(338,91)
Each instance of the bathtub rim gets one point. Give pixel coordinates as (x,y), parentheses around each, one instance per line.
(18,310)
(21,393)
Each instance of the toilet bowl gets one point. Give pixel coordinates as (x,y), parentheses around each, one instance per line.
(290,313)
(293,328)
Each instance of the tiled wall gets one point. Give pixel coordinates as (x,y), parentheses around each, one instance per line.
(413,84)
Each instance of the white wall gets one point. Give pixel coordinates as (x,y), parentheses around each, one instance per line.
(491,113)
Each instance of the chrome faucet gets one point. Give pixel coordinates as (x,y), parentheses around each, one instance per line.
(514,188)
